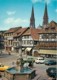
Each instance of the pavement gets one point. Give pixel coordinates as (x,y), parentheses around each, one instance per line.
(41,72)
(7,59)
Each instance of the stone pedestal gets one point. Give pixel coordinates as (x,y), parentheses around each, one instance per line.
(10,75)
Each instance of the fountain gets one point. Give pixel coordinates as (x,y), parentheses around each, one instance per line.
(19,72)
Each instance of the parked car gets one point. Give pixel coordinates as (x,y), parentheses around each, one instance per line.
(50,62)
(52,72)
(3,67)
(31,59)
(26,64)
(39,60)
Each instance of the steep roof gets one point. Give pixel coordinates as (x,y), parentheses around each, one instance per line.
(45,12)
(20,32)
(12,30)
(32,19)
(32,14)
(28,32)
(52,24)
(39,30)
(33,33)
(51,28)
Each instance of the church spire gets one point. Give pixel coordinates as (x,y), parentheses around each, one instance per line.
(32,19)
(45,17)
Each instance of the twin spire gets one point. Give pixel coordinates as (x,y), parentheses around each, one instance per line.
(32,19)
(45,17)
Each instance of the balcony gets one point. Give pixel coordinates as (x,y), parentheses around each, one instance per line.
(10,38)
(16,41)
(47,39)
(27,44)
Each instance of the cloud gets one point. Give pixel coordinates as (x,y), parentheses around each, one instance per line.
(9,20)
(56,10)
(47,1)
(35,1)
(11,12)
(14,22)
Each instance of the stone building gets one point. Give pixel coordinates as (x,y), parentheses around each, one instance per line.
(33,40)
(2,40)
(47,42)
(8,38)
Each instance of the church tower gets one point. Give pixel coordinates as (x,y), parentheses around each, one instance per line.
(45,17)
(32,19)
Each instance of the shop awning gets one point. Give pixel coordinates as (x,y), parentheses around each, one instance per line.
(23,48)
(28,49)
(54,52)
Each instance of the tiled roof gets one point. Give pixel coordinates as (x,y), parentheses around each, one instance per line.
(34,34)
(28,32)
(39,30)
(12,30)
(52,24)
(51,28)
(20,32)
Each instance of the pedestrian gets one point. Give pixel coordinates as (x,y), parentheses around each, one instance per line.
(9,53)
(0,75)
(13,63)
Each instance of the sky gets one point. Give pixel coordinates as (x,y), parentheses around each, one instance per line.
(15,13)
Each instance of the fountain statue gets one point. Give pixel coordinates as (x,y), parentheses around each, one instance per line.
(19,64)
(19,72)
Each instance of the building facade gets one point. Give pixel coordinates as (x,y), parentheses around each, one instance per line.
(47,43)
(31,39)
(2,40)
(8,38)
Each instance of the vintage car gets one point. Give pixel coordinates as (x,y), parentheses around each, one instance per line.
(39,60)
(52,72)
(3,67)
(50,62)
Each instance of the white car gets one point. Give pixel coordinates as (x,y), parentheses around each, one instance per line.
(39,60)
(26,65)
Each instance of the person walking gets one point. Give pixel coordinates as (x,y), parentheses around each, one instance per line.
(0,75)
